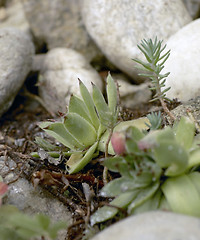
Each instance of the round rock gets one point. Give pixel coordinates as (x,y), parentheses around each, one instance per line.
(16,52)
(118,26)
(132,95)
(59,76)
(184,63)
(192,7)
(153,226)
(13,16)
(58,23)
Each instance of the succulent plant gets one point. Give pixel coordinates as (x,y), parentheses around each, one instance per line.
(85,128)
(158,167)
(153,52)
(157,172)
(155,120)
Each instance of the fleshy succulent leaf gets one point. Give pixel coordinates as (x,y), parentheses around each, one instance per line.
(80,161)
(115,187)
(182,195)
(81,129)
(135,133)
(105,115)
(150,204)
(61,134)
(114,163)
(89,104)
(108,212)
(166,151)
(143,196)
(76,105)
(195,178)
(112,95)
(194,158)
(102,214)
(172,156)
(41,142)
(184,132)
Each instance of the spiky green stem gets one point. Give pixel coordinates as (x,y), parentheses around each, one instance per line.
(159,94)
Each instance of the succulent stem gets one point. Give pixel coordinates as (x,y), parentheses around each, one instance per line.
(152,51)
(105,170)
(165,108)
(159,96)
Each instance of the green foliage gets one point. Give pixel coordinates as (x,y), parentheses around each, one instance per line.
(155,120)
(83,125)
(183,193)
(157,172)
(153,52)
(85,128)
(18,226)
(157,168)
(45,144)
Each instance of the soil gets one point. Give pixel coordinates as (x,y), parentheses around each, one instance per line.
(18,129)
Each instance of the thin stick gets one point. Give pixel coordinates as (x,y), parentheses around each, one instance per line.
(105,170)
(165,108)
(162,101)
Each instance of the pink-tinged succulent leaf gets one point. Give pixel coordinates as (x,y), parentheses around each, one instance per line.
(118,143)
(3,188)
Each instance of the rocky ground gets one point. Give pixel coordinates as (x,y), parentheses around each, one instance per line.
(18,169)
(45,46)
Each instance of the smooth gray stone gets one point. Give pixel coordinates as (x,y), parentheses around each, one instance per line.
(155,225)
(58,23)
(184,63)
(61,69)
(16,52)
(118,26)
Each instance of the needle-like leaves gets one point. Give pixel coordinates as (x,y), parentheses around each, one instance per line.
(153,52)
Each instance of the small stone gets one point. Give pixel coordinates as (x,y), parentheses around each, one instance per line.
(193,7)
(3,14)
(58,23)
(184,63)
(155,225)
(16,52)
(13,16)
(59,77)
